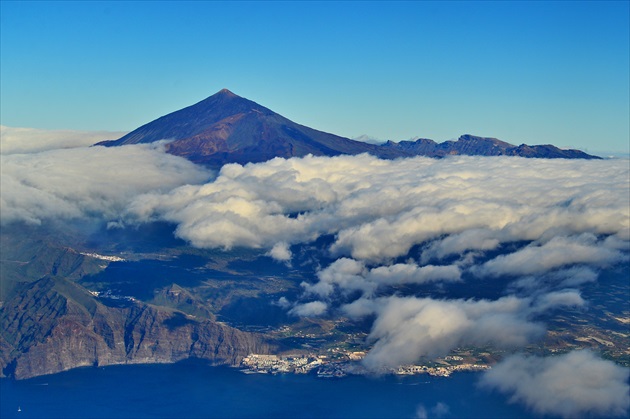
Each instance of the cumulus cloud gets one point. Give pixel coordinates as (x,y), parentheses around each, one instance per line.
(469,240)
(560,221)
(575,384)
(378,210)
(567,298)
(407,328)
(312,309)
(283,303)
(557,252)
(281,252)
(349,275)
(87,182)
(562,278)
(30,140)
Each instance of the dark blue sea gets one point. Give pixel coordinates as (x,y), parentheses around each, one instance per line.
(192,389)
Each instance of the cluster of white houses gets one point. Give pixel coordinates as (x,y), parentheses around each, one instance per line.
(302,364)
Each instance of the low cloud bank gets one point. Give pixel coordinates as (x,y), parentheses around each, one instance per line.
(407,328)
(550,224)
(539,258)
(87,182)
(378,210)
(31,140)
(576,384)
(347,275)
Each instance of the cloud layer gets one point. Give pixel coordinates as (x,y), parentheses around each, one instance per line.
(379,209)
(571,385)
(347,275)
(30,140)
(407,328)
(560,219)
(86,182)
(549,225)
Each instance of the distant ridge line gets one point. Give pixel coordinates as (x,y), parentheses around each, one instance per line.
(226,128)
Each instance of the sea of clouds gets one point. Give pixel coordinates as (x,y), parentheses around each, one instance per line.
(29,140)
(58,176)
(409,221)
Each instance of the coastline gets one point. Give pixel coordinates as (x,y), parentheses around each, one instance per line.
(192,388)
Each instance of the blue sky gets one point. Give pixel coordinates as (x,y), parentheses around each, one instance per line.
(524,72)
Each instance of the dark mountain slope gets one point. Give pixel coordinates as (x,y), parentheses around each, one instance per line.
(548,151)
(471,145)
(50,323)
(226,128)
(56,325)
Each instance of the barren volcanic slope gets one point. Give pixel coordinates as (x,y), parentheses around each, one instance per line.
(226,128)
(472,145)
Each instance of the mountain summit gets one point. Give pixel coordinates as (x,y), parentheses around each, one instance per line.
(226,128)
(472,145)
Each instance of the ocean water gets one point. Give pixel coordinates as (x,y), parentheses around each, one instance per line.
(192,389)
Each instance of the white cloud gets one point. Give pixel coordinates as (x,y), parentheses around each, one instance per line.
(349,275)
(576,384)
(30,140)
(473,239)
(557,252)
(410,273)
(568,216)
(312,309)
(407,328)
(281,252)
(562,278)
(567,297)
(92,182)
(379,209)
(360,308)
(283,303)
(573,214)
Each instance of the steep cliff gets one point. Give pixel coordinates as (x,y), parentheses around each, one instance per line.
(472,145)
(55,325)
(226,128)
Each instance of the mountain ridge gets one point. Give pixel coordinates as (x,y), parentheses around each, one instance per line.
(472,145)
(226,128)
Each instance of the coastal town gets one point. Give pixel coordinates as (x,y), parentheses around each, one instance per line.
(112,296)
(103,257)
(326,367)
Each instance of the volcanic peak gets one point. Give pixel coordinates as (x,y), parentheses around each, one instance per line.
(226,128)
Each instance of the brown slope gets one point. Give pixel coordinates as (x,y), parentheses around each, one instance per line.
(226,128)
(55,325)
(472,145)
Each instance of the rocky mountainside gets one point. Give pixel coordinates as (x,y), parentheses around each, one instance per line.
(55,325)
(226,128)
(50,322)
(471,145)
